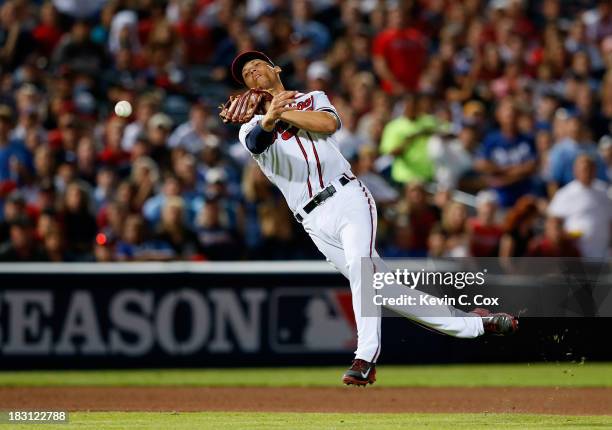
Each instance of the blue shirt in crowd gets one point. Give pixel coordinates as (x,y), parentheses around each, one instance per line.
(507,151)
(14,148)
(564,154)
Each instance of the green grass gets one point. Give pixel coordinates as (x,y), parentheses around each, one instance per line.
(243,420)
(497,375)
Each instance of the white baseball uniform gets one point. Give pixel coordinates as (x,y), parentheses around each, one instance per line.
(301,164)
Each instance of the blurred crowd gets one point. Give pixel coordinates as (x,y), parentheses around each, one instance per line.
(481,127)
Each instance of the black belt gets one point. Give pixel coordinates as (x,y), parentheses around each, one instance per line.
(323,195)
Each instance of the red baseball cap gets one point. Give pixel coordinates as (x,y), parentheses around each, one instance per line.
(244,58)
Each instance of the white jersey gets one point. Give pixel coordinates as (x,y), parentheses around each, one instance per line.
(300,163)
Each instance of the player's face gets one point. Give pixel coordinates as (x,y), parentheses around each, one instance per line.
(259,74)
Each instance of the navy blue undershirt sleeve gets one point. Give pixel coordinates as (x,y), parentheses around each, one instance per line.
(258,140)
(335,114)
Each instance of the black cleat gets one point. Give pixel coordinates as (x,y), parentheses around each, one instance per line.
(497,324)
(361,373)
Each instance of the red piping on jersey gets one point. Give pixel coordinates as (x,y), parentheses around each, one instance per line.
(314,149)
(297,139)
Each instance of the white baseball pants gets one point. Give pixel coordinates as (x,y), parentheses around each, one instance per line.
(344,229)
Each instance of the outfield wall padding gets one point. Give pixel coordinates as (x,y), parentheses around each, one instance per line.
(233,314)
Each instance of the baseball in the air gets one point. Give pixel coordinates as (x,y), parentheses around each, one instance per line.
(123,108)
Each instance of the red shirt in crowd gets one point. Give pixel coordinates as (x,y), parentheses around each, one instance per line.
(47,37)
(484,239)
(114,157)
(544,247)
(198,41)
(422,222)
(405,53)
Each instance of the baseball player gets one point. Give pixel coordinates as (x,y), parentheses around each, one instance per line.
(293,143)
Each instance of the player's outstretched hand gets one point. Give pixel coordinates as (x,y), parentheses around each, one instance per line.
(282,102)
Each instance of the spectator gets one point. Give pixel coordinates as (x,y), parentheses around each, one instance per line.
(216,238)
(194,188)
(564,153)
(86,160)
(64,139)
(519,228)
(79,53)
(543,146)
(106,181)
(158,131)
(453,155)
(348,139)
(152,207)
(405,138)
(401,243)
(29,114)
(44,164)
(436,243)
(46,222)
(110,222)
(599,21)
(113,154)
(20,246)
(217,188)
(421,216)
(484,232)
(15,37)
(196,133)
(474,114)
(212,157)
(546,107)
(197,39)
(134,246)
(124,32)
(318,76)
(48,33)
(14,209)
(382,192)
(124,195)
(605,152)
(370,125)
(586,209)
(454,221)
(312,36)
(13,153)
(392,47)
(79,223)
(174,230)
(267,227)
(507,158)
(146,106)
(54,246)
(554,242)
(145,176)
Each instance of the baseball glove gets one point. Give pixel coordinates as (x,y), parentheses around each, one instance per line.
(241,108)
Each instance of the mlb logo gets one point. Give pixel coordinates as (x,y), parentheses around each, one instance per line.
(312,320)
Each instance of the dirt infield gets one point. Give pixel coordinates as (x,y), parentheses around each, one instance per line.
(567,401)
